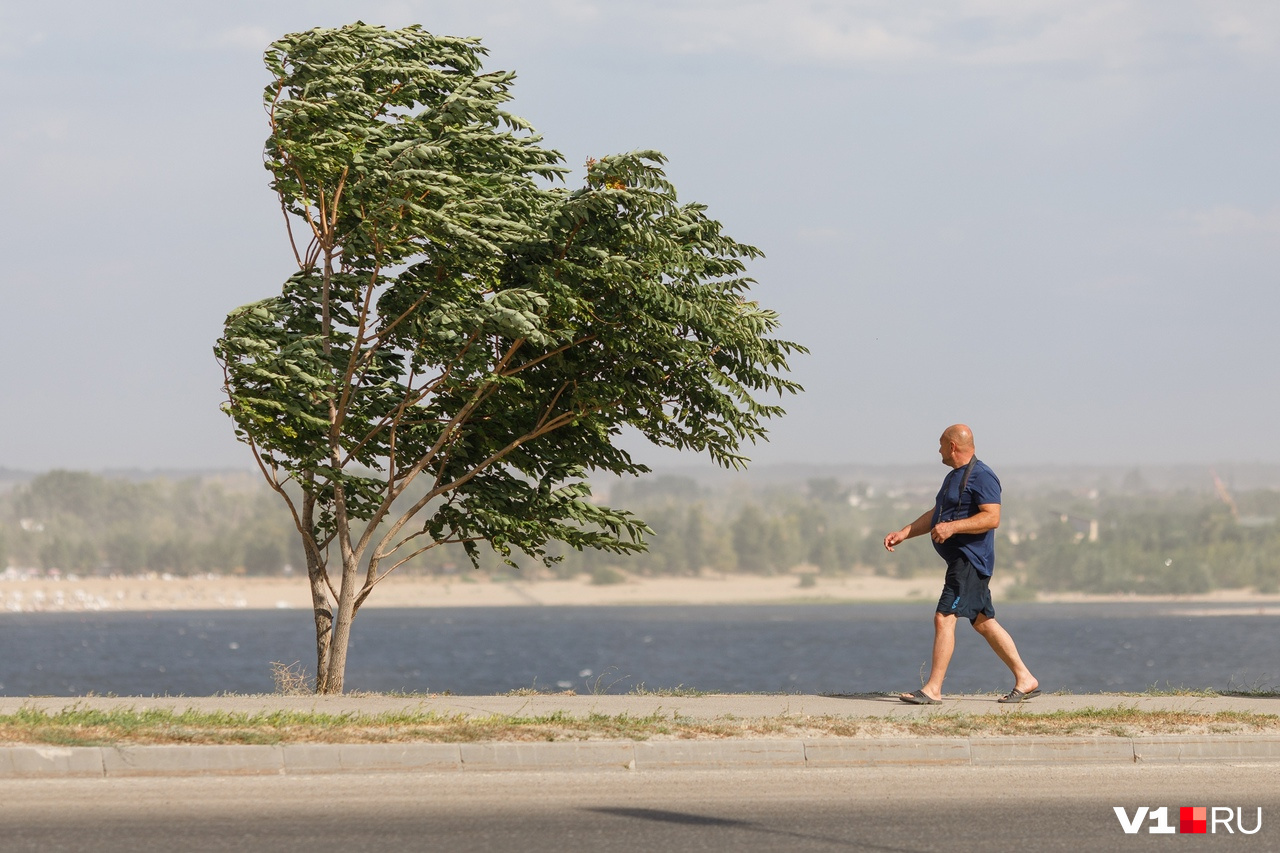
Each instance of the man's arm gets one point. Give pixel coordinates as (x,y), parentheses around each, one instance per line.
(987,518)
(919,527)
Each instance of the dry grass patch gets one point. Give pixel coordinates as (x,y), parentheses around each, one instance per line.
(1090,722)
(84,727)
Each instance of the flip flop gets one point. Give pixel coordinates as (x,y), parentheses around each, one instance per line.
(919,697)
(1015,696)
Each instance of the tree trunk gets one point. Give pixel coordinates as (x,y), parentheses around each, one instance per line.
(345,612)
(324,630)
(318,575)
(342,618)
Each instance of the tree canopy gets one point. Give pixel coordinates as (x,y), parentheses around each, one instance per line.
(458,317)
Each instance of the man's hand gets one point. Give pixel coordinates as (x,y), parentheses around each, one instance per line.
(919,527)
(895,538)
(987,518)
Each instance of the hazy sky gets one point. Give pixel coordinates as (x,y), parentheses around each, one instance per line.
(1056,220)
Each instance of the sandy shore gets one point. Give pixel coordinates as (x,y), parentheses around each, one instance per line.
(229,593)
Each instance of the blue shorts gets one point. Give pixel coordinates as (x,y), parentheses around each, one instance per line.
(965,592)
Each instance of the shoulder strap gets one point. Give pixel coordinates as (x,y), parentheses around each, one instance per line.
(964,482)
(968,469)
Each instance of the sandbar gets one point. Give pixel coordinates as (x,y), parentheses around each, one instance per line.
(231,592)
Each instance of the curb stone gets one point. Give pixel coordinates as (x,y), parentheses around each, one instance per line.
(1186,749)
(734,752)
(61,761)
(849,752)
(66,762)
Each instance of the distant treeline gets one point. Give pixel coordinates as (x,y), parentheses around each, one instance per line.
(1128,540)
(77,522)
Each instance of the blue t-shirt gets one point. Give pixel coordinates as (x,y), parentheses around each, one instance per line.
(983,488)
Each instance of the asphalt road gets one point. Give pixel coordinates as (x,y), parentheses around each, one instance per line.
(1043,808)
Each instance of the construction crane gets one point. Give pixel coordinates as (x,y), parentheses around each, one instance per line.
(1225,495)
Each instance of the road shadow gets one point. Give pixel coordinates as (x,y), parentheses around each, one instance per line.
(689,819)
(864,697)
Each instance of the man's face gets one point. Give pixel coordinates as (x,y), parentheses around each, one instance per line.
(948,452)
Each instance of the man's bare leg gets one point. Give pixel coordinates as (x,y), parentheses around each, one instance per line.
(944,645)
(1002,644)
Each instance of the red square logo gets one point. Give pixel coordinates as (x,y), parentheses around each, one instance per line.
(1193,819)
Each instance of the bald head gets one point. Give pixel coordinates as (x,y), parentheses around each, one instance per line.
(960,435)
(956,445)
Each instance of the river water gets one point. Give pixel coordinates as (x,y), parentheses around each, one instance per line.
(859,648)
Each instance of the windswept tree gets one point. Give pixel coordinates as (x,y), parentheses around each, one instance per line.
(459,322)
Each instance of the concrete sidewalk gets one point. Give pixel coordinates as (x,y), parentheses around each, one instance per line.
(755,752)
(698,707)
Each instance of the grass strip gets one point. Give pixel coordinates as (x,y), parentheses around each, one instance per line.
(87,727)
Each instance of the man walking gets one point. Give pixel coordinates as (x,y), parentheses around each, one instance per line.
(962,524)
